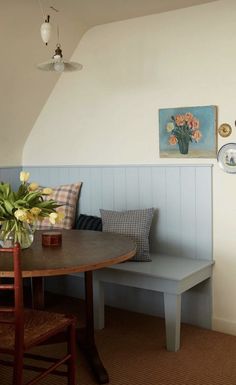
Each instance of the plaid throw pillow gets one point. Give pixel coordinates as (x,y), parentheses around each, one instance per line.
(66,195)
(135,224)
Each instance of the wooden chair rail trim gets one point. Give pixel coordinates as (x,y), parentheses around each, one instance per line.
(8,250)
(7,322)
(34,368)
(6,286)
(7,309)
(37,369)
(38,357)
(49,370)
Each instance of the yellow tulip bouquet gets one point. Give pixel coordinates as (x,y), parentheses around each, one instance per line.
(20,210)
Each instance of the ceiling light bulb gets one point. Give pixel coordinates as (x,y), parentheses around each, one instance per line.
(59,66)
(58,59)
(45,30)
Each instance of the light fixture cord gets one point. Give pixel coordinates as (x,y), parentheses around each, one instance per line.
(41,7)
(58,42)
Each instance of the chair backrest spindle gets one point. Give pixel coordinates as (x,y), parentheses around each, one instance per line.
(16,286)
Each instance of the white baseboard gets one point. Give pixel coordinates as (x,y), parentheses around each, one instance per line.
(224,326)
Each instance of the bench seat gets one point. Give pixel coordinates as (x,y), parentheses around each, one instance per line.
(170,275)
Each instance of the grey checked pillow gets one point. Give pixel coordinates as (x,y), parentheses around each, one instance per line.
(135,224)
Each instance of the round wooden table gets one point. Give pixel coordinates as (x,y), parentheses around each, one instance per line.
(81,251)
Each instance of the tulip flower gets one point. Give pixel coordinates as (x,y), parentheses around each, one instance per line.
(24,176)
(21,215)
(33,186)
(47,191)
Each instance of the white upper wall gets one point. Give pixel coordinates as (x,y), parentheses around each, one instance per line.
(108,112)
(24,89)
(131,69)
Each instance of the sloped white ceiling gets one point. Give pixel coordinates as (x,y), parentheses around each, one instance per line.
(25,89)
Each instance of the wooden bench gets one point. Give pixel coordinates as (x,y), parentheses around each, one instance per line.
(170,275)
(183,227)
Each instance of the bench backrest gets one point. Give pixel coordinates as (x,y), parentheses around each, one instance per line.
(182,225)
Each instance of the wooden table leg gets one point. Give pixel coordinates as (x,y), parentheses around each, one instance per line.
(89,346)
(37,292)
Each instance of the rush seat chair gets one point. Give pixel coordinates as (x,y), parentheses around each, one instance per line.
(22,329)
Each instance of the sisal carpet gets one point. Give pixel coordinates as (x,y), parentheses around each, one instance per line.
(132,347)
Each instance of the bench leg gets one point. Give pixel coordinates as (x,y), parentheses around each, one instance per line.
(172,303)
(98,301)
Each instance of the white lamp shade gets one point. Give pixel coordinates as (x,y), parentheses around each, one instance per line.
(45,31)
(66,67)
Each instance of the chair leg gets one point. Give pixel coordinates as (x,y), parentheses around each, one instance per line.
(72,351)
(18,368)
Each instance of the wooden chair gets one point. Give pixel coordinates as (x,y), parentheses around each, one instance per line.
(22,329)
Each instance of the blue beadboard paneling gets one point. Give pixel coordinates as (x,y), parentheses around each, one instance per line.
(188,212)
(204,216)
(158,231)
(145,187)
(182,196)
(173,210)
(120,202)
(10,175)
(107,188)
(132,188)
(97,186)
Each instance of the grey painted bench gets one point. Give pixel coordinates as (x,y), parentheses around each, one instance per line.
(170,275)
(182,195)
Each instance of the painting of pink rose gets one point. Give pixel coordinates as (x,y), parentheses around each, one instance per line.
(188,132)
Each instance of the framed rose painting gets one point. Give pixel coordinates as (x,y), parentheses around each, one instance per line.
(188,132)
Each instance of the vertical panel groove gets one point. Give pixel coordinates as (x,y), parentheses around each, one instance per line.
(182,236)
(195,213)
(165,221)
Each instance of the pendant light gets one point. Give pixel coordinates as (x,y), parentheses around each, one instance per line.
(58,64)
